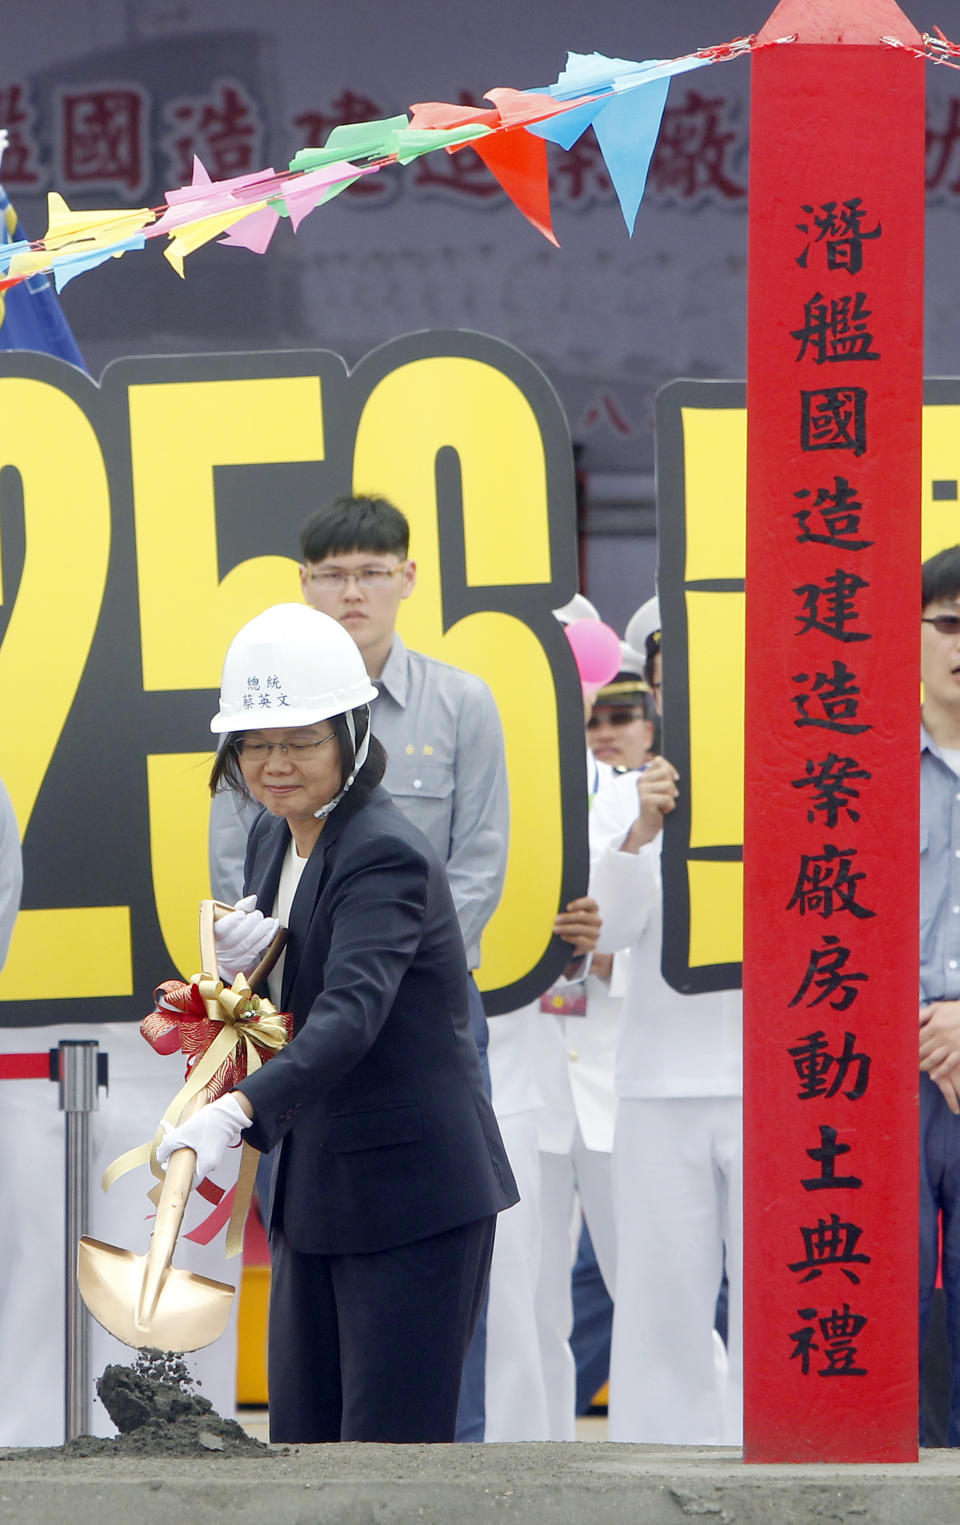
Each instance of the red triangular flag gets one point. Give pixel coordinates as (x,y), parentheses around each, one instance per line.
(518,161)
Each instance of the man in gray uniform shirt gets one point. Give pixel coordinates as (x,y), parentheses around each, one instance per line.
(11,871)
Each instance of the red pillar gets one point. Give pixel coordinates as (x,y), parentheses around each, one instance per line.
(834,387)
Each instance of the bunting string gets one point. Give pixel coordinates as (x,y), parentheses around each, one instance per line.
(621,99)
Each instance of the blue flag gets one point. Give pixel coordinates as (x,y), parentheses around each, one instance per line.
(30,315)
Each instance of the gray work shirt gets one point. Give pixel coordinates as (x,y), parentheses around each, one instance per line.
(11,871)
(939,875)
(445,769)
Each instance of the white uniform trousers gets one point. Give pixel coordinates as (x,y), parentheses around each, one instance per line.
(516,1402)
(678,1197)
(142,1084)
(585,1174)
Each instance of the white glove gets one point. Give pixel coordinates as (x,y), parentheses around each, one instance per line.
(210,1133)
(242,938)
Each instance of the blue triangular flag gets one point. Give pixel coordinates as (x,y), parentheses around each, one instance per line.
(68,265)
(627,127)
(567,126)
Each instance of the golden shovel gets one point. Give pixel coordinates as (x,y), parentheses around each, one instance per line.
(143,1299)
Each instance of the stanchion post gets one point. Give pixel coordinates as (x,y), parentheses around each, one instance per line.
(78,1075)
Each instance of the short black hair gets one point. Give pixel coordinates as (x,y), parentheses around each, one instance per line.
(940,577)
(362,523)
(651,652)
(227,773)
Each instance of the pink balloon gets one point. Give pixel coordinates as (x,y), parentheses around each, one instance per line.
(596,649)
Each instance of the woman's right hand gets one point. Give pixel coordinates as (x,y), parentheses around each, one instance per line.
(242,938)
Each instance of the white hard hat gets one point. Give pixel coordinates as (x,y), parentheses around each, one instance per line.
(289,666)
(643,624)
(579,608)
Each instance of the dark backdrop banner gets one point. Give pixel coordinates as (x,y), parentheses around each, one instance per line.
(142,522)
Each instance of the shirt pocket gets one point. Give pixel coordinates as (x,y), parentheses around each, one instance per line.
(381,1128)
(423,789)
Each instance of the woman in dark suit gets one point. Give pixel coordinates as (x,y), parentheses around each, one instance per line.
(389,1167)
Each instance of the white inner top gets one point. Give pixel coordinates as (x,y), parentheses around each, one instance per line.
(293,866)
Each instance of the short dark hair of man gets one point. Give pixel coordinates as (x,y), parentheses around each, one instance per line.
(940,577)
(362,523)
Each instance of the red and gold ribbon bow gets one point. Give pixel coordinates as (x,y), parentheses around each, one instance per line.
(226,1033)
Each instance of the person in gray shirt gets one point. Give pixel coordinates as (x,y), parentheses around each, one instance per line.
(11,871)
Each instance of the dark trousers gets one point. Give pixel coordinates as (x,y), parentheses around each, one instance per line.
(370,1347)
(940,1202)
(471,1411)
(592,1323)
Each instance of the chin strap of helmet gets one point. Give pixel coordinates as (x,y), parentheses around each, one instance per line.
(359,758)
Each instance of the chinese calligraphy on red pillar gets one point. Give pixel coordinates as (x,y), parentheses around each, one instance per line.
(833,557)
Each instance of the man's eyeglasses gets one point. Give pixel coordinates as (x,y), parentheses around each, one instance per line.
(943,624)
(334,579)
(604,716)
(259,751)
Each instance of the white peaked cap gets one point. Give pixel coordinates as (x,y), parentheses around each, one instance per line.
(630,660)
(579,608)
(642,624)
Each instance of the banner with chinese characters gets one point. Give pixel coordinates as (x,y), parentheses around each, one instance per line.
(830,847)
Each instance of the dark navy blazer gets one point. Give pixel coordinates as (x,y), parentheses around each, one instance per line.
(386,1135)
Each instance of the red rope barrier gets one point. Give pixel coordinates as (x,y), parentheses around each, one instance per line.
(25,1066)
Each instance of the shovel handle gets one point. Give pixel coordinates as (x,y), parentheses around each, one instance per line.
(178,1177)
(177,1185)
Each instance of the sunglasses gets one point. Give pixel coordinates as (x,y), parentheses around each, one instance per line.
(614,717)
(943,624)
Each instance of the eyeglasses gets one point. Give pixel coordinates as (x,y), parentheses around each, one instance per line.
(943,624)
(371,578)
(614,717)
(259,751)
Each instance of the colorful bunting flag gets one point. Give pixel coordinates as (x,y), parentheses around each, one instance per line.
(518,161)
(622,99)
(30,315)
(627,129)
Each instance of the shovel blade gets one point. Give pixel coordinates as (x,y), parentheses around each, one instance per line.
(191,1311)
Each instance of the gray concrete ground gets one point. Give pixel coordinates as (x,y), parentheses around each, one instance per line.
(537,1484)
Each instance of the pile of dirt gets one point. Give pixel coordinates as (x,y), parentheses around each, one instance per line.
(156,1407)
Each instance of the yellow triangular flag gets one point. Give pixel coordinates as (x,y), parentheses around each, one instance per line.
(194,234)
(95,229)
(29,264)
